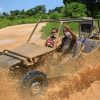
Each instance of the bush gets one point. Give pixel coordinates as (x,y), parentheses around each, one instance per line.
(11,18)
(44,16)
(41,16)
(54,15)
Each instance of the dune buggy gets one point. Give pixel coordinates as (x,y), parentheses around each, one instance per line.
(25,59)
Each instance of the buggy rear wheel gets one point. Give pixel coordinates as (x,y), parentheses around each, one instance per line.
(14,71)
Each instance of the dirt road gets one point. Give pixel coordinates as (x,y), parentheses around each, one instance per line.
(58,88)
(13,36)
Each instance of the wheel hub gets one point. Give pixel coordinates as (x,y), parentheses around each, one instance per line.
(35,88)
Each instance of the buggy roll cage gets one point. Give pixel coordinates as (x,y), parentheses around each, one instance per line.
(61,21)
(28,60)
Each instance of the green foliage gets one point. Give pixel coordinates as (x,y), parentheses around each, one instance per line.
(5,14)
(11,18)
(15,13)
(69,1)
(44,16)
(73,26)
(93,6)
(9,21)
(55,15)
(30,12)
(39,9)
(98,15)
(57,9)
(33,11)
(75,10)
(96,11)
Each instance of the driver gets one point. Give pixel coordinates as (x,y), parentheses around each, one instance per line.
(68,40)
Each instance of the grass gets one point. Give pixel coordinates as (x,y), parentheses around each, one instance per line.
(74,27)
(4,21)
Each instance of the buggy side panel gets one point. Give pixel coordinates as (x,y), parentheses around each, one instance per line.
(89,44)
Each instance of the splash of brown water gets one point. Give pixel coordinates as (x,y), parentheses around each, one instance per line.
(59,88)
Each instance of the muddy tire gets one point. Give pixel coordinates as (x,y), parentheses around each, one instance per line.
(14,72)
(34,83)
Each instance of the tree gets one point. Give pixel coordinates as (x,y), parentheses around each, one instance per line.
(55,15)
(69,1)
(22,12)
(87,2)
(57,9)
(93,6)
(5,14)
(75,10)
(39,9)
(30,12)
(15,13)
(95,9)
(36,10)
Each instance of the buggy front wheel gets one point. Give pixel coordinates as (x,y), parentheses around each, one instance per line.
(34,82)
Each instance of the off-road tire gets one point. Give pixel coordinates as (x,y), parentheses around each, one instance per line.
(32,77)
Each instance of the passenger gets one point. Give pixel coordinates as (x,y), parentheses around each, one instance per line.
(51,40)
(68,40)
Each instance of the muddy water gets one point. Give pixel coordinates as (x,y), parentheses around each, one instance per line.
(82,85)
(7,88)
(74,87)
(70,66)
